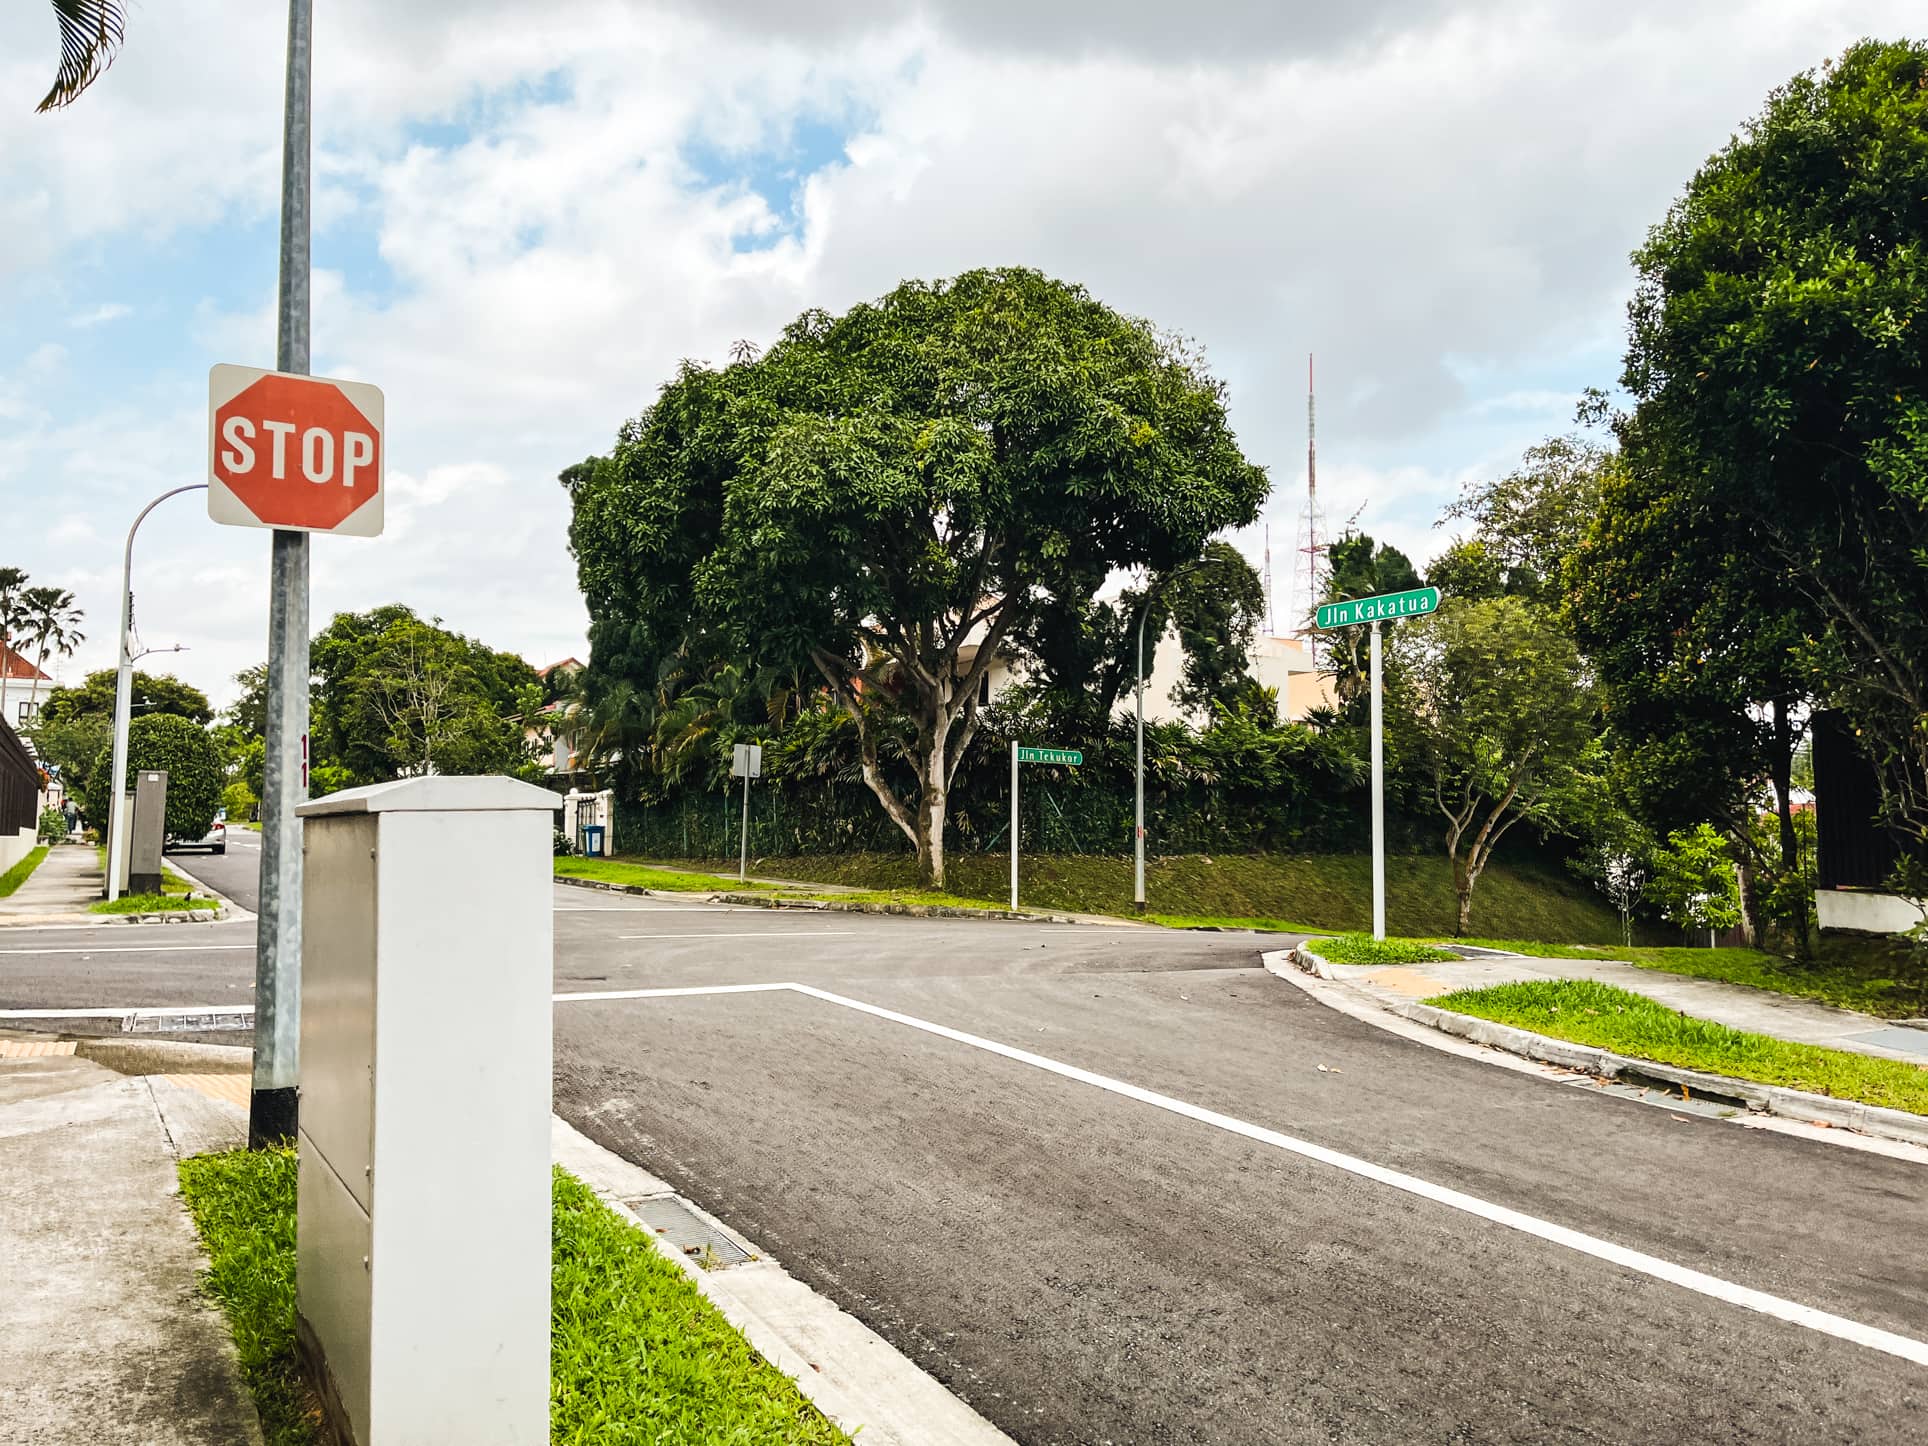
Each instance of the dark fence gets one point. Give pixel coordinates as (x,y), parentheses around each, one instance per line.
(19,784)
(1853,849)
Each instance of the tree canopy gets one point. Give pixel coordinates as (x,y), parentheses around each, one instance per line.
(194,773)
(1780,376)
(148,693)
(887,496)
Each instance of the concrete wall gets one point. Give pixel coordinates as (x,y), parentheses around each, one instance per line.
(1867,910)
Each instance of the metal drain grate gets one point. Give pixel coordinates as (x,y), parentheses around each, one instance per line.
(686,1231)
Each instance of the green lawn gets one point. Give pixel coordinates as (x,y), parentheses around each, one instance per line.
(1364,949)
(14,877)
(1312,892)
(623,871)
(638,1356)
(1848,971)
(1632,1024)
(176,895)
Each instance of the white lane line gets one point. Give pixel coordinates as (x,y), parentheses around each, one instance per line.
(1793,1312)
(158,1011)
(648,909)
(137,949)
(754,934)
(675,993)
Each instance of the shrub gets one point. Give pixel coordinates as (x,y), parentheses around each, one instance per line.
(1364,949)
(53,825)
(186,752)
(239,800)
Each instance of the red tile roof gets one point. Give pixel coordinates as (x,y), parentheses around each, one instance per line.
(15,666)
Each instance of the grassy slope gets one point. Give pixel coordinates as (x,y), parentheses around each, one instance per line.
(1632,1024)
(623,871)
(637,1354)
(14,877)
(1325,891)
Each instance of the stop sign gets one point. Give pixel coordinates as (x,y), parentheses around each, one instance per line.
(294,452)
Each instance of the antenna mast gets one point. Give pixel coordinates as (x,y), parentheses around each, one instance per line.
(1309,575)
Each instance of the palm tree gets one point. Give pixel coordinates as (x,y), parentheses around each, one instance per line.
(12,583)
(90,32)
(51,622)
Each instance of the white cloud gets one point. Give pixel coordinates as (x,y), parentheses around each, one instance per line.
(1437,200)
(99,315)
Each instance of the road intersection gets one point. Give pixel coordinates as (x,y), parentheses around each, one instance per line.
(1119,1184)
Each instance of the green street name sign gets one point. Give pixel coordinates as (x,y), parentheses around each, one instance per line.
(1374,609)
(1069,756)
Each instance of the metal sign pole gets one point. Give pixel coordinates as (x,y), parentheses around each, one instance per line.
(1014,825)
(277,971)
(743,841)
(1378,794)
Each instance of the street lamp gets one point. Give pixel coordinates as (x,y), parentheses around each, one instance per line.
(123,699)
(1138,831)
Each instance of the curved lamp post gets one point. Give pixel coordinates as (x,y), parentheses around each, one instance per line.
(1138,831)
(123,700)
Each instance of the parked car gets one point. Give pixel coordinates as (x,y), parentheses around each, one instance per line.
(215,841)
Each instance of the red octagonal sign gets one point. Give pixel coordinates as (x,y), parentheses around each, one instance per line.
(294,452)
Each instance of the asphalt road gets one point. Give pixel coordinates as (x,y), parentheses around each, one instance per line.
(235,875)
(1086,1266)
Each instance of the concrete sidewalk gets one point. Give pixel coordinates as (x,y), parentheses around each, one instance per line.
(1802,1021)
(67,882)
(104,1337)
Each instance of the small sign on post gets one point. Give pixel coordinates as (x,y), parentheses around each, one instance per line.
(1068,757)
(746,762)
(1387,607)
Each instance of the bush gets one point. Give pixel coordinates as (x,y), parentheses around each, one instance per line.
(186,752)
(239,801)
(1364,949)
(53,825)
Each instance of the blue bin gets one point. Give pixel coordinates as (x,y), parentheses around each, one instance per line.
(592,840)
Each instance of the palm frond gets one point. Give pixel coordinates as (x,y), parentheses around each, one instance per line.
(91,32)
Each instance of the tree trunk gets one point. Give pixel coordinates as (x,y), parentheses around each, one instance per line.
(1749,889)
(1465,909)
(933,797)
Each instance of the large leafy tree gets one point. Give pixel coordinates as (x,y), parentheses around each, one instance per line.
(50,624)
(888,495)
(148,693)
(1779,364)
(1498,709)
(396,695)
(192,760)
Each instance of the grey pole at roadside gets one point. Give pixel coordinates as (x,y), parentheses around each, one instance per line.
(1138,830)
(743,834)
(124,698)
(272,1111)
(1378,793)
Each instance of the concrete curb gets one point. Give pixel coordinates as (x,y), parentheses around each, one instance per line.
(103,921)
(918,911)
(1762,1099)
(849,1372)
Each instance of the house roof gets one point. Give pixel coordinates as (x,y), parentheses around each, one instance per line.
(12,665)
(572,665)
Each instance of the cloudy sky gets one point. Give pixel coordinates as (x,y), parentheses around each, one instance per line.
(528,212)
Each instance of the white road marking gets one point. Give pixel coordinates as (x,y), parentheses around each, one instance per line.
(647,909)
(161,1011)
(754,934)
(1793,1312)
(671,993)
(137,949)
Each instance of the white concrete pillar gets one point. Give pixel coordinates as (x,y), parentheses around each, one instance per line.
(423,1265)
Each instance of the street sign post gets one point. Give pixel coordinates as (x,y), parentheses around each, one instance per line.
(746,762)
(1066,757)
(296,453)
(1375,610)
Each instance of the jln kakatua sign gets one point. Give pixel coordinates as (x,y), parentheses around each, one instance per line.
(1387,607)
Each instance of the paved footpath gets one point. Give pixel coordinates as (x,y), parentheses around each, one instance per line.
(67,881)
(103,1335)
(1804,1021)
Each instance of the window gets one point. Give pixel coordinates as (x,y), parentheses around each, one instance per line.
(26,712)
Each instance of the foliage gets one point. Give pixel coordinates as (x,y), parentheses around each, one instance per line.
(1694,880)
(1527,524)
(641,876)
(1216,602)
(148,693)
(1360,568)
(1364,949)
(52,827)
(194,774)
(90,33)
(48,622)
(396,696)
(1500,714)
(239,802)
(68,746)
(888,497)
(1602,1016)
(1776,361)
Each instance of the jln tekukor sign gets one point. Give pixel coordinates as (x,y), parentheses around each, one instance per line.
(1070,757)
(1384,608)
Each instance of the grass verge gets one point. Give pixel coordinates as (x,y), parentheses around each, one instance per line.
(1864,972)
(1330,892)
(645,876)
(1364,949)
(637,1354)
(1585,1012)
(153,904)
(14,877)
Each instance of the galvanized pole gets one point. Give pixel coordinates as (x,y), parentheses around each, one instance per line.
(743,841)
(1138,830)
(1014,825)
(277,969)
(1378,794)
(124,697)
